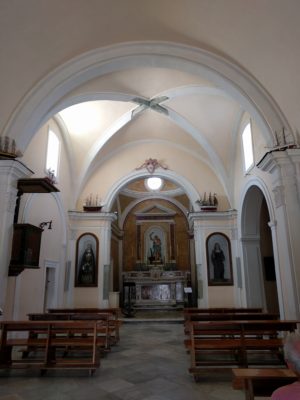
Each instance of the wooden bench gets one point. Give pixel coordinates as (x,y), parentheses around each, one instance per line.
(236,343)
(258,382)
(115,313)
(197,317)
(55,344)
(222,310)
(107,330)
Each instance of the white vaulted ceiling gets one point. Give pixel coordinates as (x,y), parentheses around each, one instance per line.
(91,63)
(193,115)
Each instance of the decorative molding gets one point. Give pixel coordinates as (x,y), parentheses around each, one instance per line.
(283,160)
(92,216)
(157,218)
(13,170)
(51,264)
(151,164)
(162,213)
(272,224)
(212,216)
(141,194)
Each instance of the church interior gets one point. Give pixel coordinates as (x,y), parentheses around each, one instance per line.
(150,163)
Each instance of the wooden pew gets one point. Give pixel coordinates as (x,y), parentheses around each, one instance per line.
(115,322)
(195,317)
(105,330)
(258,382)
(116,312)
(237,343)
(50,339)
(223,310)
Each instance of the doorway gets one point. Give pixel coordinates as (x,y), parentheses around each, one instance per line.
(50,293)
(260,279)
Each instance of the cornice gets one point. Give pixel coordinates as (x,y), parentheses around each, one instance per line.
(91,216)
(15,168)
(212,216)
(276,159)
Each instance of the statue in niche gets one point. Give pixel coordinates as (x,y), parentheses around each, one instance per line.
(218,258)
(155,251)
(87,267)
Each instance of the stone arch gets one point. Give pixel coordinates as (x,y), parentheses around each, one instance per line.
(41,101)
(189,189)
(255,194)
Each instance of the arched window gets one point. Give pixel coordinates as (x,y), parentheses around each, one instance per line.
(247,147)
(53,149)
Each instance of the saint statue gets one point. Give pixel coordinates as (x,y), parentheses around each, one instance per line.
(218,258)
(87,267)
(156,248)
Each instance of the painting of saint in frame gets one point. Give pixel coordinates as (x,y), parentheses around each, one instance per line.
(219,263)
(155,245)
(86,272)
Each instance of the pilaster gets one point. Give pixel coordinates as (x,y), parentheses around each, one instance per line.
(99,224)
(284,167)
(10,172)
(203,224)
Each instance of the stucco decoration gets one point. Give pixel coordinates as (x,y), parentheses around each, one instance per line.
(151,164)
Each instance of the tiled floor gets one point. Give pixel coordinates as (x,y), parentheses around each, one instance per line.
(149,363)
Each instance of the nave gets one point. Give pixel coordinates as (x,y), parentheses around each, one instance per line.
(150,363)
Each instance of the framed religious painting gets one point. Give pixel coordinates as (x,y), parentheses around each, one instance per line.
(219,264)
(155,245)
(86,271)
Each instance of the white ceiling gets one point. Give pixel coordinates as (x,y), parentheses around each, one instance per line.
(200,118)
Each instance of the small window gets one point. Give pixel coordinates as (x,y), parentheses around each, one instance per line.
(248,147)
(52,153)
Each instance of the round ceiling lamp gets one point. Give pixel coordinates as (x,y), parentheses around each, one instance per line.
(154,183)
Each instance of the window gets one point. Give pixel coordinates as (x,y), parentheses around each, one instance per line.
(247,147)
(52,153)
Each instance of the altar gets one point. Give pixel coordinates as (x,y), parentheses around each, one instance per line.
(157,287)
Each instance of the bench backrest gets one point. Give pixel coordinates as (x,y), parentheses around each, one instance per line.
(222,310)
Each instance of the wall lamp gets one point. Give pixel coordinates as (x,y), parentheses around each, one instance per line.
(43,224)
